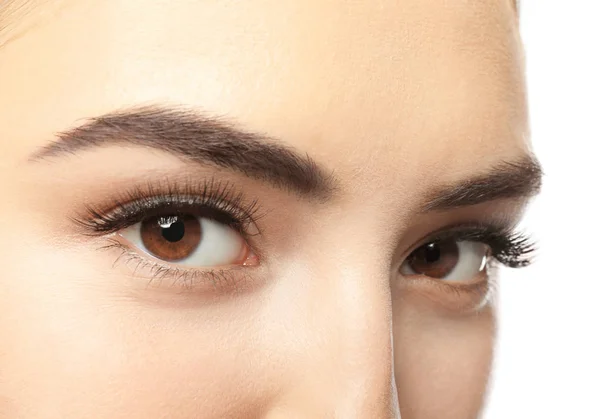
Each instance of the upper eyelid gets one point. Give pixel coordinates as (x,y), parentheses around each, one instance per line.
(463,231)
(136,217)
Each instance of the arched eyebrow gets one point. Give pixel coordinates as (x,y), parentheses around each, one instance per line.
(518,179)
(202,139)
(208,140)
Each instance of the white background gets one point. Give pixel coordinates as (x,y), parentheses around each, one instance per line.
(548,358)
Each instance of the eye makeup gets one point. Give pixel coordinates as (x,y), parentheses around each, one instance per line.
(218,203)
(508,247)
(475,290)
(169,200)
(212,199)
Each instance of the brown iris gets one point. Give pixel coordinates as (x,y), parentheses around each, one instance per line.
(435,259)
(171,238)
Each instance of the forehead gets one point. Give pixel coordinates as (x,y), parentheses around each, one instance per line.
(374,85)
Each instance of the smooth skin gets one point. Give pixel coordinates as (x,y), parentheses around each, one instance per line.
(394,97)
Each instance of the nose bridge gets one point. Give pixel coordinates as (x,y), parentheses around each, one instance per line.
(353,368)
(361,331)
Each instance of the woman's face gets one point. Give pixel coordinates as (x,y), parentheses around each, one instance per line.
(258,209)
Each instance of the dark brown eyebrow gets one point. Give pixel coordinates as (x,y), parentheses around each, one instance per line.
(201,139)
(521,178)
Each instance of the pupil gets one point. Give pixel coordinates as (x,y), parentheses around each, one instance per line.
(432,253)
(173,232)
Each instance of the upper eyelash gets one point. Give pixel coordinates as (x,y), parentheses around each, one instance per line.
(510,248)
(219,200)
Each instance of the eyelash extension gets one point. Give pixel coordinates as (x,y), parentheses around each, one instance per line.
(211,199)
(510,248)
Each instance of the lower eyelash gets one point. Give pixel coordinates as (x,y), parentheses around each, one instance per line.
(186,279)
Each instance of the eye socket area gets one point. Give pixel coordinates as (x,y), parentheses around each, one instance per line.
(448,260)
(190,240)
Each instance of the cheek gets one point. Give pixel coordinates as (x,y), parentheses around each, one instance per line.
(74,345)
(442,361)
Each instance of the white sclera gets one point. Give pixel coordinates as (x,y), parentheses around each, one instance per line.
(220,245)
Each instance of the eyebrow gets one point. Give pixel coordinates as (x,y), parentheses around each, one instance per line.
(521,178)
(202,139)
(195,137)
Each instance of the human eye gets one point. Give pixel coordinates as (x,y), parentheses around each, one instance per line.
(189,238)
(459,261)
(186,233)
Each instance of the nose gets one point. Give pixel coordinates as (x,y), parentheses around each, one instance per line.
(346,366)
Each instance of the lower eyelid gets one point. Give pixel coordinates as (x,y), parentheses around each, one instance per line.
(454,298)
(148,273)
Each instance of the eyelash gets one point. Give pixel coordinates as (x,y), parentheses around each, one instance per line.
(221,202)
(184,278)
(507,247)
(216,200)
(510,248)
(212,199)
